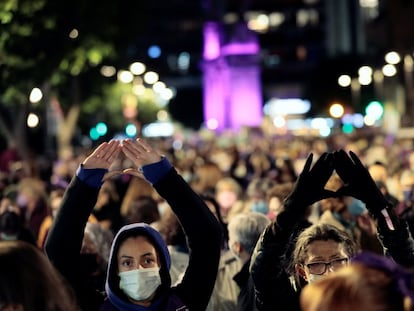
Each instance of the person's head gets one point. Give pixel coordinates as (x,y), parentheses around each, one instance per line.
(142,209)
(256,194)
(95,249)
(138,255)
(10,226)
(227,192)
(275,197)
(371,283)
(29,282)
(320,249)
(244,231)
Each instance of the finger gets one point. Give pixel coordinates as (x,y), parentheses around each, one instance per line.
(112,149)
(356,160)
(100,150)
(324,163)
(111,174)
(144,144)
(308,163)
(343,165)
(133,172)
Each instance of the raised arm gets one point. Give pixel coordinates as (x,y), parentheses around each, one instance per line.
(392,232)
(271,258)
(64,241)
(200,226)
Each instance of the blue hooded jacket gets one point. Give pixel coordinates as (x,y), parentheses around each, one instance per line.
(115,295)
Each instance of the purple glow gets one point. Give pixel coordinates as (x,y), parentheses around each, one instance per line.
(211,41)
(245,97)
(239,48)
(214,98)
(232,86)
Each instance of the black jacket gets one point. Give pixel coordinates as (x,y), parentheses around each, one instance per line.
(274,290)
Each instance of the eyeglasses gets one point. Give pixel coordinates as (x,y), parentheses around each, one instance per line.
(319,268)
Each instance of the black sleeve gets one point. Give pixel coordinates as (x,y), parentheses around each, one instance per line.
(64,241)
(398,244)
(203,233)
(270,259)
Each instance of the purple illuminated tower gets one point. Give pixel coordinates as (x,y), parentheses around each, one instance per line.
(231,77)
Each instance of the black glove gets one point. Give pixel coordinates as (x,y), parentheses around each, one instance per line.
(310,186)
(359,184)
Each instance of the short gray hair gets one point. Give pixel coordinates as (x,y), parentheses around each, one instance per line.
(247,228)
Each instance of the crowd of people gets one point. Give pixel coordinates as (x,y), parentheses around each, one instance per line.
(228,222)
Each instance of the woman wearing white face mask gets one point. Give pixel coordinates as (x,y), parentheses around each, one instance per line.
(138,271)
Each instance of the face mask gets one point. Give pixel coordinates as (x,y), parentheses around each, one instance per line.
(140,284)
(407,195)
(22,200)
(8,237)
(313,277)
(259,207)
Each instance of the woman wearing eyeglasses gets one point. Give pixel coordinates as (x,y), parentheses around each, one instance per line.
(319,250)
(292,253)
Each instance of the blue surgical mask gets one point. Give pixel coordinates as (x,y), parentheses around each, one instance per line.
(8,237)
(259,207)
(408,195)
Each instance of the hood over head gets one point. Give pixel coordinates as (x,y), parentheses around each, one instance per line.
(115,294)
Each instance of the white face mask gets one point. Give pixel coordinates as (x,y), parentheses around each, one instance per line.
(313,277)
(140,284)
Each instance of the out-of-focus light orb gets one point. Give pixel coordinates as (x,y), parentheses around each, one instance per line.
(365,71)
(279,121)
(375,110)
(212,124)
(162,115)
(344,80)
(154,51)
(35,95)
(336,110)
(137,68)
(358,120)
(167,94)
(259,23)
(347,118)
(325,131)
(392,58)
(74,33)
(159,86)
(183,61)
(369,120)
(347,128)
(32,120)
(365,80)
(286,106)
(389,70)
(125,76)
(101,128)
(93,133)
(108,71)
(318,123)
(368,3)
(151,77)
(138,89)
(130,130)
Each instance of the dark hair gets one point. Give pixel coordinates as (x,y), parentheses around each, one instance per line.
(142,209)
(28,279)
